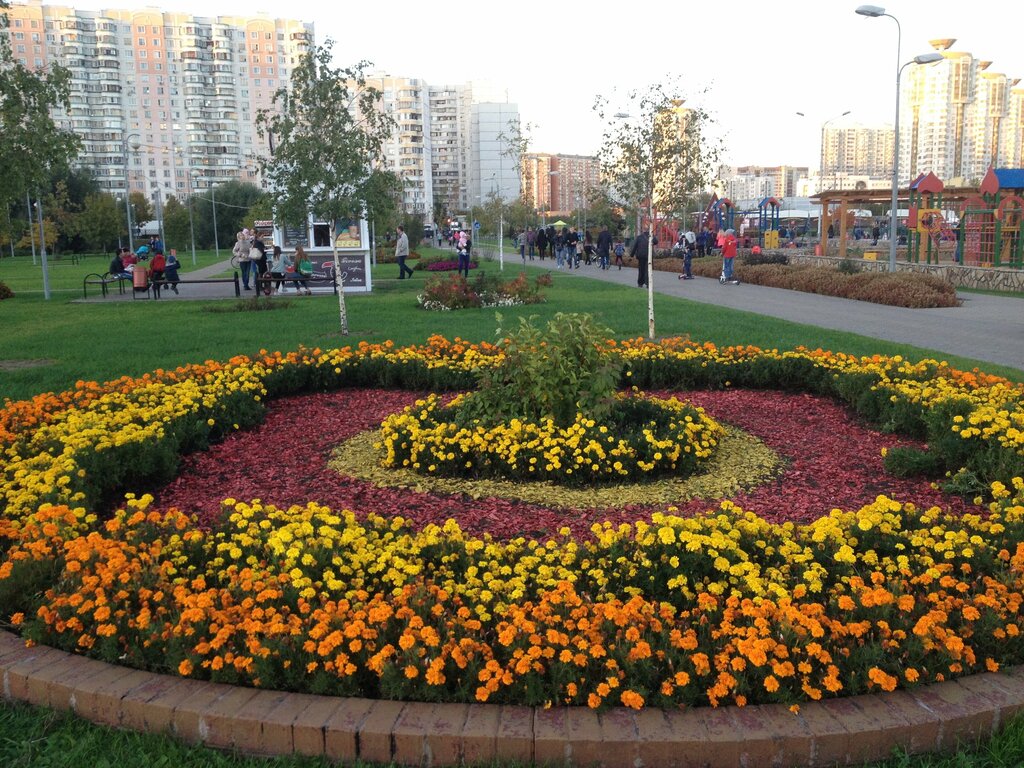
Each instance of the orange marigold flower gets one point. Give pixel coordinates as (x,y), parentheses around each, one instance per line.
(411,671)
(593,701)
(882,679)
(991,665)
(632,699)
(771,684)
(185,668)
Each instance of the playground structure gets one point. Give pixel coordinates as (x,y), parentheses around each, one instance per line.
(928,228)
(974,227)
(768,222)
(990,223)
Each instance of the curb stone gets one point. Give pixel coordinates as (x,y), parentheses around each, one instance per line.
(833,732)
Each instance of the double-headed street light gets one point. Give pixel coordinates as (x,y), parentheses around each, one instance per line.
(821,156)
(873,11)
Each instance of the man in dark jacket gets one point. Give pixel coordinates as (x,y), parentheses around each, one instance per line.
(641,252)
(604,246)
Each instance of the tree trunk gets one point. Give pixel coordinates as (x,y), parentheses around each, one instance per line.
(342,312)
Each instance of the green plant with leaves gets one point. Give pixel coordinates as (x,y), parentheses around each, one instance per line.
(330,131)
(549,373)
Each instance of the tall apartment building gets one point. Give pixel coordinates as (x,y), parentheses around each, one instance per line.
(449,144)
(559,182)
(855,150)
(408,152)
(472,126)
(961,118)
(162,101)
(493,167)
(747,182)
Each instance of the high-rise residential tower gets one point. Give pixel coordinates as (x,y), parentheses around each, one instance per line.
(162,101)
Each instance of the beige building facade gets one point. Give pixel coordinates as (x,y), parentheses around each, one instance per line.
(163,102)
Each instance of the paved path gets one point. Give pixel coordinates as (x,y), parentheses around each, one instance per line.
(986,328)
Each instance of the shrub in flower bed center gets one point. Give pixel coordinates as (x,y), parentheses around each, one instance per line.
(550,412)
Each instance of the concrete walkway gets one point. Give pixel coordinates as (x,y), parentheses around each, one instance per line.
(985,328)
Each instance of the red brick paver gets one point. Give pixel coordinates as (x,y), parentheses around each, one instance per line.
(838,731)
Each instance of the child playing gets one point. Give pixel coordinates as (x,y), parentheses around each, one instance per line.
(620,251)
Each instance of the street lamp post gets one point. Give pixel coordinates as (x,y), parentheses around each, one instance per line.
(873,11)
(213,201)
(127,185)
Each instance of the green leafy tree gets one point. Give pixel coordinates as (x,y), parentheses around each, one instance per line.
(32,147)
(384,199)
(262,209)
(656,154)
(602,210)
(176,226)
(142,210)
(233,200)
(331,131)
(99,222)
(658,144)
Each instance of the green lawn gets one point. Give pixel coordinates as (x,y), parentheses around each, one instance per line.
(48,345)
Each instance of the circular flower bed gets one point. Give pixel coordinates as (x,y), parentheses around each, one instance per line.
(721,606)
(641,437)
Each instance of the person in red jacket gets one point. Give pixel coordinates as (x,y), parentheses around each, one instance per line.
(729,244)
(157,265)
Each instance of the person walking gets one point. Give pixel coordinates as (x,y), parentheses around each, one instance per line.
(642,251)
(604,246)
(464,246)
(241,252)
(729,244)
(402,253)
(542,243)
(258,257)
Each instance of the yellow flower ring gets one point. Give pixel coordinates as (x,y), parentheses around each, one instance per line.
(663,610)
(670,437)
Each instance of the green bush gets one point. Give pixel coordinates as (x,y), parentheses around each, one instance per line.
(848,267)
(553,373)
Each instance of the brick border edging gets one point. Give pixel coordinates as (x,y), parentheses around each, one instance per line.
(838,731)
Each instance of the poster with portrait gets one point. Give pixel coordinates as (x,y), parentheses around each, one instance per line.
(348,233)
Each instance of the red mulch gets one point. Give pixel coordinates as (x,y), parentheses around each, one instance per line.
(834,462)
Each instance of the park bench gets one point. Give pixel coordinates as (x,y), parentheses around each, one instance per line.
(155,286)
(95,278)
(268,280)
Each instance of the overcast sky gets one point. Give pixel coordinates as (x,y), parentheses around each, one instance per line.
(762,62)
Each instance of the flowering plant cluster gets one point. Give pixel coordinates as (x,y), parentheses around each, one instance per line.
(718,608)
(447,266)
(456,292)
(645,437)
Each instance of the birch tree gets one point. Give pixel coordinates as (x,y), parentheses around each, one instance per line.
(328,131)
